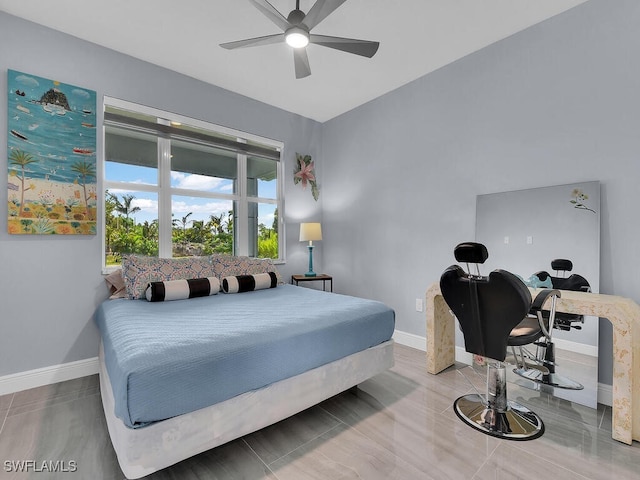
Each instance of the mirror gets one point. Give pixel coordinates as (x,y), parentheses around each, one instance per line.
(524,231)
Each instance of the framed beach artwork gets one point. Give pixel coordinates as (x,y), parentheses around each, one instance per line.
(51,157)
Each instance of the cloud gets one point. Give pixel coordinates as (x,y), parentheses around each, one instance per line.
(196,182)
(28,81)
(200,210)
(146,205)
(266,220)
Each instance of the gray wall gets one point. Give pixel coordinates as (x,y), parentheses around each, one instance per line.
(557,103)
(50,286)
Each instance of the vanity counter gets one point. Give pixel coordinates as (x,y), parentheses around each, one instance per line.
(624,315)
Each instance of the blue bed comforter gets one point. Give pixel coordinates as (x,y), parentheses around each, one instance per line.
(169,358)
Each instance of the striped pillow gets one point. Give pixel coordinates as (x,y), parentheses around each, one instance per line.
(248,283)
(182,289)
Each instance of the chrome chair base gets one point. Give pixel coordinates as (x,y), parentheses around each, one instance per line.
(543,376)
(516,422)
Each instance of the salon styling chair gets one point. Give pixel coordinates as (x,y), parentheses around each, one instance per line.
(540,366)
(487,309)
(573,282)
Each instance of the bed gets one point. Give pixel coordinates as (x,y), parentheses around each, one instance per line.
(180,377)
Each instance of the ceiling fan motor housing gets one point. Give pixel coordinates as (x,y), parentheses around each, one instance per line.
(295,17)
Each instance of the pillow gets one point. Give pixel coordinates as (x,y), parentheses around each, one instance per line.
(227,265)
(115,282)
(248,283)
(138,271)
(182,289)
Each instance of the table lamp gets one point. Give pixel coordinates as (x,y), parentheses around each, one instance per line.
(310,232)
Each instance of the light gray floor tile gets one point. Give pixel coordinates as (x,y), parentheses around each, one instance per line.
(509,462)
(343,453)
(433,443)
(606,418)
(400,424)
(5,401)
(278,440)
(3,416)
(232,461)
(585,450)
(73,431)
(45,396)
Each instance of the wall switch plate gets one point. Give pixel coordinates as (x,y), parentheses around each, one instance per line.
(418,304)
(506,240)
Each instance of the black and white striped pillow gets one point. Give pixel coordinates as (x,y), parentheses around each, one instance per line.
(248,283)
(182,289)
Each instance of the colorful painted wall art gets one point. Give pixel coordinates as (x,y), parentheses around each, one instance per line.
(51,153)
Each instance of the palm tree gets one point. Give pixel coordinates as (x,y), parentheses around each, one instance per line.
(274,226)
(184,221)
(125,208)
(86,170)
(215,223)
(229,223)
(21,159)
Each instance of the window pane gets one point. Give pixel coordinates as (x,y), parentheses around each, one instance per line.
(204,168)
(131,156)
(262,177)
(131,224)
(263,229)
(201,226)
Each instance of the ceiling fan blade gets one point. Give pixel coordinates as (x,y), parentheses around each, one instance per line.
(271,13)
(254,42)
(364,48)
(301,62)
(320,10)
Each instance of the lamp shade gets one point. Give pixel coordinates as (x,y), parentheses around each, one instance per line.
(310,232)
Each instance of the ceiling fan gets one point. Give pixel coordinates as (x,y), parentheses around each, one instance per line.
(296,33)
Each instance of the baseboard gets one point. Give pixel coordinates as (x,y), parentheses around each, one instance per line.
(46,376)
(410,340)
(590,350)
(605,392)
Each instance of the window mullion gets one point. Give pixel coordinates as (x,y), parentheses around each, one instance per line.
(281,213)
(242,225)
(164,198)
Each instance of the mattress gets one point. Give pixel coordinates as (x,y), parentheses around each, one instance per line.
(169,358)
(142,451)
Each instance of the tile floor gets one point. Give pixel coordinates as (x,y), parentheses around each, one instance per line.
(399,425)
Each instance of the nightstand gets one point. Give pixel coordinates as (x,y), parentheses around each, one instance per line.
(321,276)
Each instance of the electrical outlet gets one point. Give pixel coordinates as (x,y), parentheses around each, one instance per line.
(529,240)
(418,304)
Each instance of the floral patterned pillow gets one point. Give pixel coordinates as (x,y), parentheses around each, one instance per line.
(227,266)
(138,271)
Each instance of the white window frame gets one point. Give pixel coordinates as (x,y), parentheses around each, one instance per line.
(165,191)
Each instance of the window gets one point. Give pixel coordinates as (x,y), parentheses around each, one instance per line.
(175,186)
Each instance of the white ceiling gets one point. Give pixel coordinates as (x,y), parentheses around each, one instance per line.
(416,37)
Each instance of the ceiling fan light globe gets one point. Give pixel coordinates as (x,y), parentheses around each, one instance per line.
(297,37)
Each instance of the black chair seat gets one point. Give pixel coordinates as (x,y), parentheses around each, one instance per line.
(526,332)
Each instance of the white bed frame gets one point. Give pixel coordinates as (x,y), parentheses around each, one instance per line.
(143,451)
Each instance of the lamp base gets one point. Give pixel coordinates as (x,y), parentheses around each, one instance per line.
(310,274)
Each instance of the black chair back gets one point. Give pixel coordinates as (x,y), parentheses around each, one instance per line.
(487,308)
